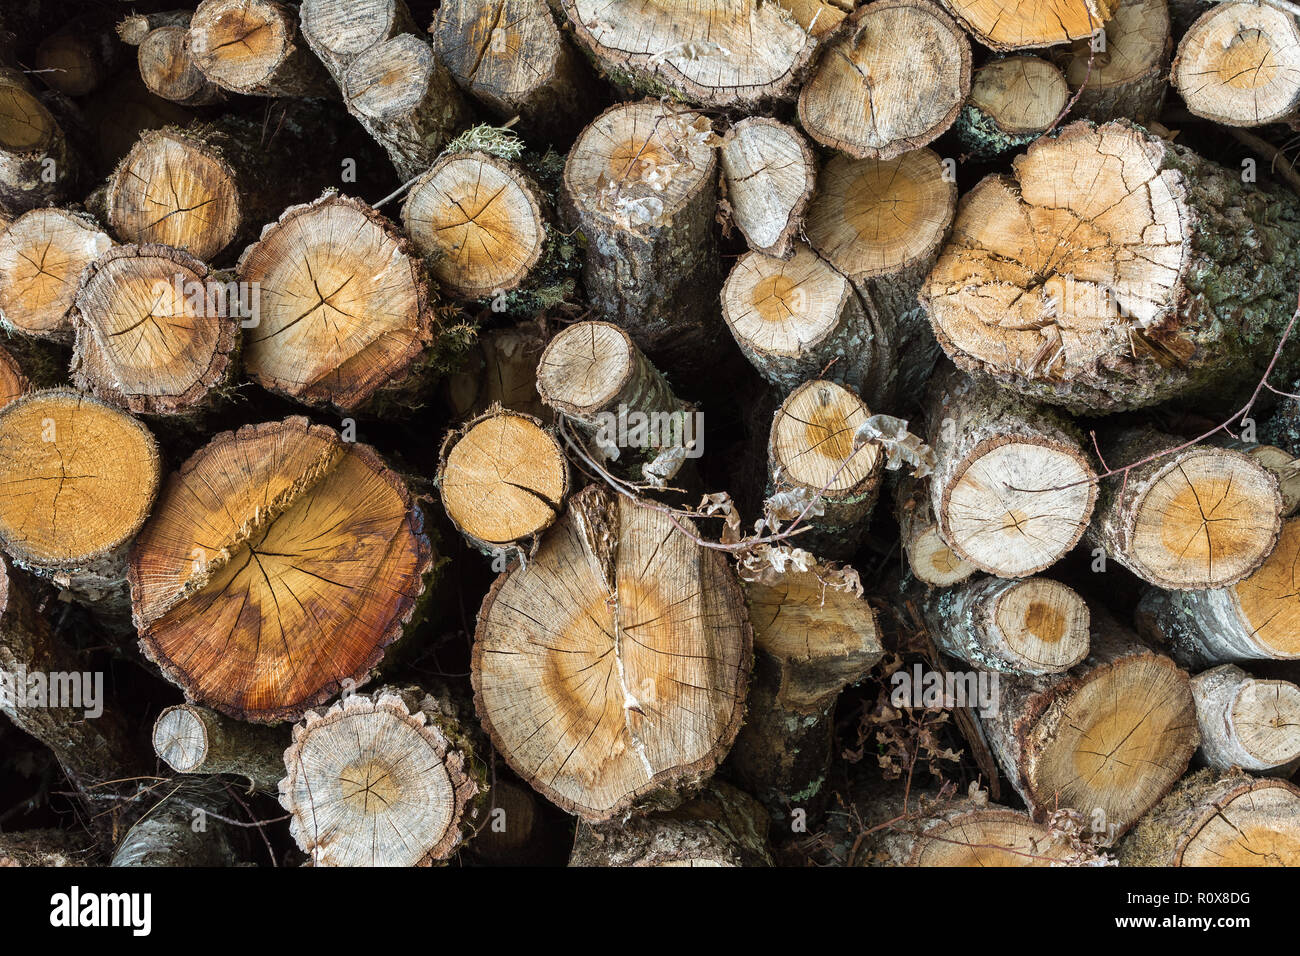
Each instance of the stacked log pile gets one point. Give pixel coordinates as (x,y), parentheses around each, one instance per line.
(586,433)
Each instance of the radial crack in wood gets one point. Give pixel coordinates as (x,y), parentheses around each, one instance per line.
(42,255)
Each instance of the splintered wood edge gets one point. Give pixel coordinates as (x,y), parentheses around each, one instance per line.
(937,839)
(424,563)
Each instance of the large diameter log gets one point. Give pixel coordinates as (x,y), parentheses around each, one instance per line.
(36,164)
(722,826)
(278,565)
(811,642)
(179,355)
(42,255)
(1203,517)
(811,452)
(169,71)
(80,477)
(1108,738)
(611,671)
(1031,626)
(1141,300)
(192,739)
(737,53)
(1213,819)
(512,58)
(253,47)
(1129,77)
(769,172)
(893,81)
(503,479)
(932,561)
(1012,488)
(1239,64)
(642,181)
(345,312)
(1257,618)
(1247,723)
(1005,25)
(1013,100)
(387,778)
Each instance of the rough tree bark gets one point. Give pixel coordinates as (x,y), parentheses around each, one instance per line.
(1247,723)
(1013,100)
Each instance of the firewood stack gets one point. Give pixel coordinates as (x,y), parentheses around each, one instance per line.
(576,432)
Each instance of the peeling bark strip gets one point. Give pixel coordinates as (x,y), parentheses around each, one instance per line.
(928,555)
(611,671)
(811,642)
(642,180)
(1012,101)
(80,477)
(1213,819)
(1031,626)
(769,171)
(1203,517)
(1258,618)
(36,165)
(253,47)
(1146,299)
(811,448)
(1247,723)
(279,563)
(1004,25)
(720,827)
(192,739)
(1012,488)
(382,779)
(345,311)
(42,254)
(503,479)
(511,57)
(1239,64)
(176,358)
(893,82)
(1108,738)
(728,53)
(1130,77)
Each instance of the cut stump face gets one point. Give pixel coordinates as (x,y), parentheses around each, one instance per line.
(239,45)
(615,663)
(812,441)
(25,125)
(1259,825)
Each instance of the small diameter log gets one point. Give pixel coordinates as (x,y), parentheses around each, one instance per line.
(36,164)
(80,477)
(928,555)
(1258,618)
(1215,819)
(894,80)
(1012,487)
(503,479)
(341,30)
(593,375)
(92,748)
(510,56)
(13,382)
(387,778)
(42,255)
(769,171)
(278,565)
(478,221)
(811,448)
(1108,738)
(253,47)
(811,642)
(1004,25)
(611,671)
(169,71)
(1031,626)
(642,181)
(45,848)
(1203,517)
(881,223)
(794,318)
(516,833)
(133,28)
(1012,101)
(739,54)
(502,368)
(1239,64)
(345,306)
(1097,276)
(185,828)
(192,739)
(819,17)
(1130,75)
(722,826)
(1247,723)
(80,56)
(156,332)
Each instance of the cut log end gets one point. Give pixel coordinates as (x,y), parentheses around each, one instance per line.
(1044,623)
(168,70)
(1270,597)
(25,124)
(248,46)
(1004,25)
(42,255)
(770,173)
(992,837)
(13,382)
(1129,78)
(180,738)
(812,442)
(1247,723)
(1012,100)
